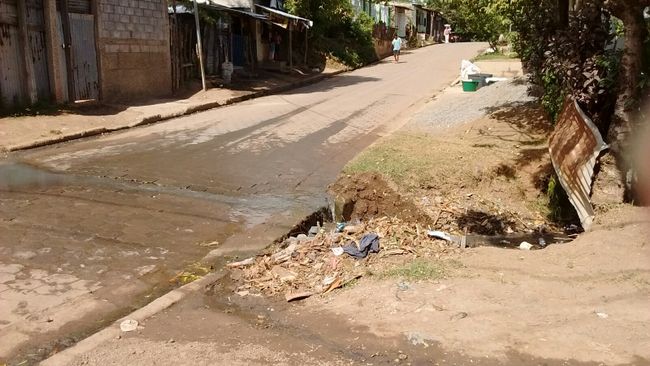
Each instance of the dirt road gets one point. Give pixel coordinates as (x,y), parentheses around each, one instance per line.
(578,303)
(95,228)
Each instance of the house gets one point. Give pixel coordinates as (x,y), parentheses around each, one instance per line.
(416,18)
(239,32)
(73,50)
(276,38)
(228,36)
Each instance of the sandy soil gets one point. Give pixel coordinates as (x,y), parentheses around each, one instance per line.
(580,303)
(585,301)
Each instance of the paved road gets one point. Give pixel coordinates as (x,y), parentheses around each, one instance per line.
(94,228)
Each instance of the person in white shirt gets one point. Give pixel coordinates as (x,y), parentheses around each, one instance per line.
(397,46)
(447,32)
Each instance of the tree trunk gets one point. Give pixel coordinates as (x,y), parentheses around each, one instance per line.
(618,165)
(630,71)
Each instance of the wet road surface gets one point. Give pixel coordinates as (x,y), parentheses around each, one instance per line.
(95,228)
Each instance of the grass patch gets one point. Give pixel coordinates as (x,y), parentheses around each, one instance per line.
(495,56)
(404,158)
(421,270)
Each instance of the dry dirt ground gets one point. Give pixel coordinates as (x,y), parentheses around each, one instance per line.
(579,303)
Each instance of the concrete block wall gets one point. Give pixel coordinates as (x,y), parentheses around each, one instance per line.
(133,44)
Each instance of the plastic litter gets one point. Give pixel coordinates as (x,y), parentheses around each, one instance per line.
(313,231)
(337,251)
(439,235)
(128,325)
(495,79)
(525,245)
(466,68)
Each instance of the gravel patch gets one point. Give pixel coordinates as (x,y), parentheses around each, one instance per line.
(454,107)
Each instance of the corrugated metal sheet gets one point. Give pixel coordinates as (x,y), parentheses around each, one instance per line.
(574,146)
(11,86)
(82,29)
(12,89)
(37,47)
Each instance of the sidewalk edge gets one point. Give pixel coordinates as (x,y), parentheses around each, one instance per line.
(112,331)
(159,118)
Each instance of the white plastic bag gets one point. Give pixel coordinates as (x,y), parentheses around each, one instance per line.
(467,68)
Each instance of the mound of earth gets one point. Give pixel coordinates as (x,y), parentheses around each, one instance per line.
(366,195)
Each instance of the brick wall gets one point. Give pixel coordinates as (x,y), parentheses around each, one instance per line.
(134,49)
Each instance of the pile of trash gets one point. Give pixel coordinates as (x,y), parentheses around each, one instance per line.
(325,260)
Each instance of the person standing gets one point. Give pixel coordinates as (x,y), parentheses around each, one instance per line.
(397,46)
(447,32)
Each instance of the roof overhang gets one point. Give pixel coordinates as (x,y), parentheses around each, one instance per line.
(308,23)
(402,5)
(218,5)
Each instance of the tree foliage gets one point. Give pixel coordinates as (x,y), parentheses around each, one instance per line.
(337,30)
(576,56)
(576,59)
(477,20)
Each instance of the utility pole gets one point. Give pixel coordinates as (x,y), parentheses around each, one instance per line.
(198,44)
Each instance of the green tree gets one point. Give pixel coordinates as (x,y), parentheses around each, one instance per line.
(337,30)
(479,20)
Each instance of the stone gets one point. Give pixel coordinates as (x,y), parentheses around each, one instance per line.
(25,254)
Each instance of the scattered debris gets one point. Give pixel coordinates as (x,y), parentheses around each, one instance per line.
(313,231)
(439,235)
(293,296)
(602,315)
(403,286)
(128,325)
(298,270)
(244,263)
(285,254)
(209,244)
(417,339)
(525,245)
(338,251)
(369,244)
(458,316)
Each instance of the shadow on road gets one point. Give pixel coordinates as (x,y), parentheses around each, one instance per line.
(340,81)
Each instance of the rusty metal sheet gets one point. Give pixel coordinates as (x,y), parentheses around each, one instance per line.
(11,85)
(12,88)
(575,144)
(38,48)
